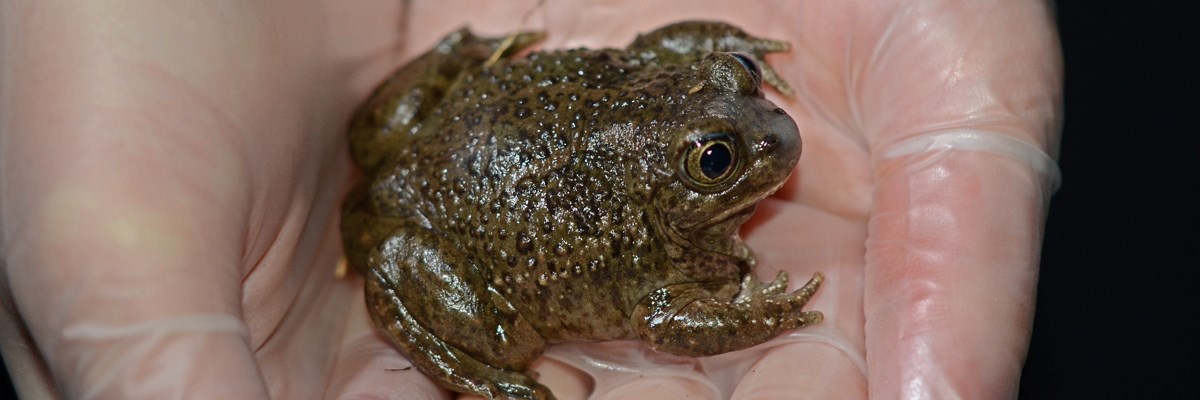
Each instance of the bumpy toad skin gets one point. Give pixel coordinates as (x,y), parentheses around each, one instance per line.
(570,195)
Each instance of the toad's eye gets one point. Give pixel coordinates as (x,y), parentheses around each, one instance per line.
(711,160)
(751,66)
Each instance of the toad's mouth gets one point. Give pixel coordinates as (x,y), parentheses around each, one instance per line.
(732,219)
(719,233)
(716,233)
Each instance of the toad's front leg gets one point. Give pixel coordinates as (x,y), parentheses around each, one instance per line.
(686,319)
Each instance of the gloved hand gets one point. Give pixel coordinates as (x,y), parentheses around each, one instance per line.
(921,194)
(171,173)
(171,180)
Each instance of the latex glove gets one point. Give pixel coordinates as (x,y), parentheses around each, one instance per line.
(171,179)
(920,194)
(171,173)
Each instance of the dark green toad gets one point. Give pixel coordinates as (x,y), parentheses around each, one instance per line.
(567,196)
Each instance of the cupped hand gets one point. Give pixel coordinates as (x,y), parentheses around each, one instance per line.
(171,174)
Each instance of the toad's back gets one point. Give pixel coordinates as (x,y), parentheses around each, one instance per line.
(540,168)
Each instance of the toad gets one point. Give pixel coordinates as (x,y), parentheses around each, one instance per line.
(513,202)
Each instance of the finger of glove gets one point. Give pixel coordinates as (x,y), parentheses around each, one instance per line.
(955,232)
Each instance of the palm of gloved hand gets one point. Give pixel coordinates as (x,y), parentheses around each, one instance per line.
(930,255)
(180,204)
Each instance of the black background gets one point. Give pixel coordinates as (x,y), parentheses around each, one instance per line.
(1117,312)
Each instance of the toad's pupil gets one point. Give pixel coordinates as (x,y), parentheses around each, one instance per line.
(715,160)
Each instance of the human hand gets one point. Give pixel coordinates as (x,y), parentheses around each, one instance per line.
(171,176)
(920,195)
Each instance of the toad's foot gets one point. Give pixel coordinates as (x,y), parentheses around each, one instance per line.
(686,319)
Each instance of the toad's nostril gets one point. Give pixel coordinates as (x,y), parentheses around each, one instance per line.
(780,111)
(770,140)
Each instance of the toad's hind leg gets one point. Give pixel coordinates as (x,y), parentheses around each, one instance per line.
(689,41)
(386,122)
(423,294)
(443,362)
